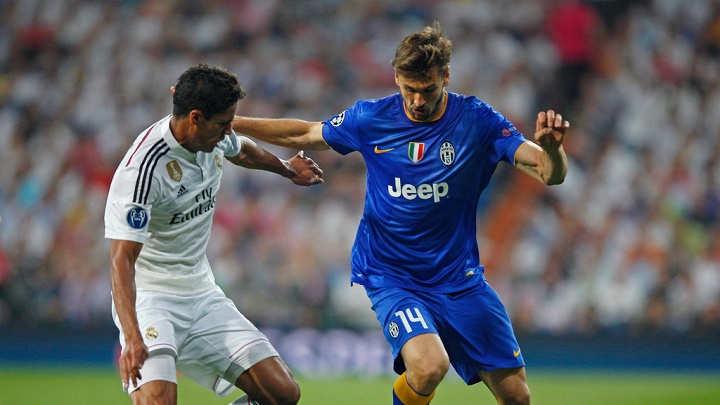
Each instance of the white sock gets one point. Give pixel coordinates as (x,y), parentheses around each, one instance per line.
(244,400)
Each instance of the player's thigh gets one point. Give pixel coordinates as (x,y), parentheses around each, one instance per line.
(477,332)
(508,385)
(270,379)
(403,316)
(158,384)
(425,353)
(221,345)
(162,320)
(155,392)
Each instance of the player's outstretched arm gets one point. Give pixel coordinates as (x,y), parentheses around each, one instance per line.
(302,170)
(288,132)
(123,254)
(545,160)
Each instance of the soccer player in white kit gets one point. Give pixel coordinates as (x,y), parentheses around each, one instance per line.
(171,314)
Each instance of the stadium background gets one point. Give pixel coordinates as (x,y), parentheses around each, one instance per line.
(618,267)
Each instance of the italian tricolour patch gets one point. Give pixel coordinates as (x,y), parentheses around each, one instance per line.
(416,151)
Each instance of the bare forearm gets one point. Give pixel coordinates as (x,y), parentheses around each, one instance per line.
(300,169)
(124,295)
(546,165)
(287,132)
(554,166)
(547,155)
(122,285)
(254,157)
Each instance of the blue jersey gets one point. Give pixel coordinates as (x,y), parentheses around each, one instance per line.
(424,180)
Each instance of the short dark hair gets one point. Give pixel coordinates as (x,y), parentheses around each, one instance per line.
(421,52)
(208,89)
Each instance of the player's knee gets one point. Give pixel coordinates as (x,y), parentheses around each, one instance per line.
(519,396)
(156,393)
(438,370)
(428,373)
(289,394)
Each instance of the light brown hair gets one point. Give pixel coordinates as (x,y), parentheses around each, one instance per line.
(421,52)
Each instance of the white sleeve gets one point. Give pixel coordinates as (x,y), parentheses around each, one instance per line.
(125,219)
(231,145)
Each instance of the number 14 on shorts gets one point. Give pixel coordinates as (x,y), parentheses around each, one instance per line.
(407,316)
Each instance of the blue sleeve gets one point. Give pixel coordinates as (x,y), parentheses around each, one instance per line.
(507,139)
(341,131)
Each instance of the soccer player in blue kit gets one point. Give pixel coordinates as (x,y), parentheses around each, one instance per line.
(429,154)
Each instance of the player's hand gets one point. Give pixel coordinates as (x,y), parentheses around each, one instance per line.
(550,130)
(131,361)
(307,172)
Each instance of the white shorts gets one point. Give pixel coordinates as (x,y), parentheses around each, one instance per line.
(212,342)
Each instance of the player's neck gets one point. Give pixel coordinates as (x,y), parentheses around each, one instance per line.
(179,131)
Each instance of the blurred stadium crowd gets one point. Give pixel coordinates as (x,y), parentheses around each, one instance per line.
(629,244)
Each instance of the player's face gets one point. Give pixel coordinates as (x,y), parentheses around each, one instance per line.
(209,132)
(423,99)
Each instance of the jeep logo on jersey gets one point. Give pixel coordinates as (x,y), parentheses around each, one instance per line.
(337,120)
(137,217)
(447,153)
(416,151)
(174,170)
(422,191)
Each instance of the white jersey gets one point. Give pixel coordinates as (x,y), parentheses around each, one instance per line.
(163,196)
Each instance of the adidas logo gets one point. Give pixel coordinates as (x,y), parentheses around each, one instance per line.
(182,190)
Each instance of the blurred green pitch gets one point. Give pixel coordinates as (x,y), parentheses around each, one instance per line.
(54,385)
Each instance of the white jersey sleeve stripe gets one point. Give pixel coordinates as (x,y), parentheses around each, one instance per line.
(160,153)
(146,171)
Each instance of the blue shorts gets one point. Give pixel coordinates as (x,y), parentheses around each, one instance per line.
(472,324)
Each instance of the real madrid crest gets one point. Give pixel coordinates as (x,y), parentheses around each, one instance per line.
(447,153)
(218,162)
(151,333)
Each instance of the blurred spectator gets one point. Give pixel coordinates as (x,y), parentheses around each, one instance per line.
(575,29)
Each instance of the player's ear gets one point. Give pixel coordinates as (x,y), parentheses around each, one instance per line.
(397,79)
(195,116)
(446,78)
